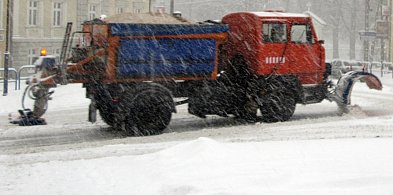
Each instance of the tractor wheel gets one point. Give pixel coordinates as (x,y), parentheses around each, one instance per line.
(149,114)
(278,103)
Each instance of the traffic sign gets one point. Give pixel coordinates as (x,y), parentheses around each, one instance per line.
(367,33)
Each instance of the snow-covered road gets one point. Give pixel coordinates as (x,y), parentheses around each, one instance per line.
(68,127)
(69,141)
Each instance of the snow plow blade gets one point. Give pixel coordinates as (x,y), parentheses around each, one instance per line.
(343,90)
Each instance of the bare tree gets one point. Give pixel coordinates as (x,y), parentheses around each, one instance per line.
(352,37)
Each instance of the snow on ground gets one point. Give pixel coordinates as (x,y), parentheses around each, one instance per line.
(205,166)
(66,97)
(316,152)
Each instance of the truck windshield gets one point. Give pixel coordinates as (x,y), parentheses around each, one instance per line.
(274,32)
(301,33)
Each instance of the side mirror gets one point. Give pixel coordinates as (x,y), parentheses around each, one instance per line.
(328,68)
(321,41)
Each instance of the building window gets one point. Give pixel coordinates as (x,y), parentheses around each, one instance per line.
(121,6)
(56,52)
(57,14)
(138,7)
(92,11)
(120,10)
(137,11)
(33,13)
(32,57)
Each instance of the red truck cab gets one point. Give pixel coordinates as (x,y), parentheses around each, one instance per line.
(276,43)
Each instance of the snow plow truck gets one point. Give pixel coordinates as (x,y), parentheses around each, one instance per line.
(252,65)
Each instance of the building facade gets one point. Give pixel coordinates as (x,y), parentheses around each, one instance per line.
(90,9)
(390,38)
(42,23)
(39,24)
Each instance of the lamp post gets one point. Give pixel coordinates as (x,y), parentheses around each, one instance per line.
(6,52)
(366,43)
(390,31)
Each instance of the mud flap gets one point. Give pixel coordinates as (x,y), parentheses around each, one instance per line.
(92,112)
(343,90)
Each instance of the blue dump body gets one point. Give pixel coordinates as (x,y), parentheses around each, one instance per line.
(173,56)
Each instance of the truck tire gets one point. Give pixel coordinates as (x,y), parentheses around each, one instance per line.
(103,103)
(278,103)
(106,115)
(248,111)
(240,76)
(238,70)
(150,113)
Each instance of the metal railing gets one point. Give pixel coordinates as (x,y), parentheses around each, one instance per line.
(30,71)
(10,70)
(23,73)
(383,68)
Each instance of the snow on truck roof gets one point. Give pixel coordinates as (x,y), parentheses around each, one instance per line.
(280,14)
(146,18)
(276,14)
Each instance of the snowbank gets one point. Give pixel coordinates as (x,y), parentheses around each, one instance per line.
(205,166)
(66,97)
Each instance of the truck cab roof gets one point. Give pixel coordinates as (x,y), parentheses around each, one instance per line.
(252,16)
(279,14)
(271,14)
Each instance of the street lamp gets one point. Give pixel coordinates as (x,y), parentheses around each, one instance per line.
(6,53)
(366,43)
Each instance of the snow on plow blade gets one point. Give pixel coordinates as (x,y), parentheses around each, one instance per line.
(346,82)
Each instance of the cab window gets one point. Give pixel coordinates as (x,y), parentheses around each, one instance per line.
(301,33)
(274,33)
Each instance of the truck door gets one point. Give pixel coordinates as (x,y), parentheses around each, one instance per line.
(305,54)
(273,52)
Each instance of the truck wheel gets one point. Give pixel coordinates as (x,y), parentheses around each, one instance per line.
(238,70)
(278,103)
(107,115)
(150,113)
(248,111)
(103,103)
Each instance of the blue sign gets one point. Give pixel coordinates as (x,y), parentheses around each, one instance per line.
(367,33)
